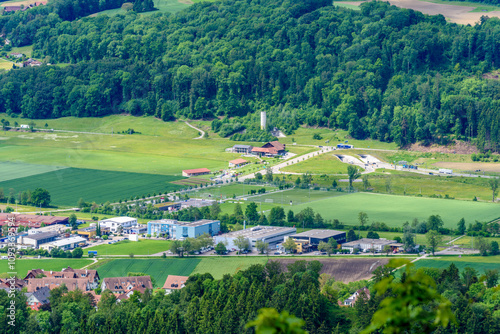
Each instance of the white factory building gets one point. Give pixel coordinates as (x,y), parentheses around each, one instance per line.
(270,234)
(64,244)
(114,223)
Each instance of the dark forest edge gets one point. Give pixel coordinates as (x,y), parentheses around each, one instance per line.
(383,72)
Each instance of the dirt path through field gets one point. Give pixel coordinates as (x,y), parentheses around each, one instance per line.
(453,13)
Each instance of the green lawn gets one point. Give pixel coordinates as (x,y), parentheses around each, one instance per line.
(27,50)
(67,186)
(219,266)
(478,263)
(296,196)
(23,266)
(227,191)
(326,163)
(395,210)
(125,247)
(159,269)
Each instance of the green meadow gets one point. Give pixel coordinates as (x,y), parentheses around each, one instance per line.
(23,266)
(126,247)
(326,163)
(479,263)
(395,210)
(67,186)
(219,266)
(158,269)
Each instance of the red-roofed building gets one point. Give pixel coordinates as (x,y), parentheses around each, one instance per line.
(270,149)
(237,162)
(174,283)
(195,172)
(32,221)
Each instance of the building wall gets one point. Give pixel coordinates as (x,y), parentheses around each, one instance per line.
(195,231)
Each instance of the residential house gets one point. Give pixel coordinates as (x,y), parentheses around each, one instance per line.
(38,298)
(174,282)
(354,297)
(91,276)
(237,163)
(125,284)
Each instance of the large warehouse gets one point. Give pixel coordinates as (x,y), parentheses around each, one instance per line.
(179,230)
(314,237)
(270,234)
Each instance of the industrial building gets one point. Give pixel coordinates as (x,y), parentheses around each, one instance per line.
(168,206)
(38,239)
(14,219)
(64,244)
(269,234)
(314,237)
(114,223)
(365,245)
(180,230)
(59,228)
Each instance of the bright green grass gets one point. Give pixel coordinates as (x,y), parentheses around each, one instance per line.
(5,64)
(228,207)
(326,163)
(228,191)
(125,247)
(219,266)
(27,50)
(23,266)
(159,269)
(304,136)
(395,210)
(467,241)
(296,196)
(345,5)
(478,263)
(67,186)
(14,170)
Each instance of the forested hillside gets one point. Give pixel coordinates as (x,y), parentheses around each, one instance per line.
(383,72)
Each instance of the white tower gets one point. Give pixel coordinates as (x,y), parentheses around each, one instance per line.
(262,120)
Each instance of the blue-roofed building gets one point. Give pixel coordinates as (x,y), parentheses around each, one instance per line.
(180,230)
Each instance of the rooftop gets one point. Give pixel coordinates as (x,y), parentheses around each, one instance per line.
(237,161)
(40,236)
(175,282)
(67,241)
(197,223)
(197,170)
(243,146)
(259,232)
(368,241)
(119,219)
(321,234)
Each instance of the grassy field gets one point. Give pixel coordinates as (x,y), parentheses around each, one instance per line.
(14,170)
(326,163)
(420,238)
(67,186)
(238,189)
(27,50)
(23,266)
(395,210)
(159,269)
(219,266)
(345,5)
(141,247)
(468,241)
(478,263)
(296,196)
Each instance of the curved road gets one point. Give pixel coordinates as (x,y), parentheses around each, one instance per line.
(199,130)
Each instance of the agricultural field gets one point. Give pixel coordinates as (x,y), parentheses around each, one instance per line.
(346,269)
(468,242)
(67,186)
(395,210)
(15,170)
(219,266)
(5,64)
(125,247)
(479,263)
(453,11)
(158,269)
(24,265)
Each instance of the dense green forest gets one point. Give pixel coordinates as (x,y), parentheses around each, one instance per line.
(382,72)
(225,306)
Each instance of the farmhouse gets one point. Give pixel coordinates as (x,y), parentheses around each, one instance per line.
(195,172)
(118,222)
(270,149)
(314,237)
(38,238)
(180,230)
(64,244)
(30,220)
(125,284)
(31,62)
(174,283)
(366,244)
(38,298)
(269,234)
(245,149)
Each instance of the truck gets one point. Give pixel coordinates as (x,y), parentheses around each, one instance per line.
(445,171)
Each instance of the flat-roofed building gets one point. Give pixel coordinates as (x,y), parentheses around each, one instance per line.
(114,223)
(365,244)
(38,239)
(245,149)
(64,244)
(168,206)
(269,234)
(180,230)
(14,219)
(59,228)
(314,237)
